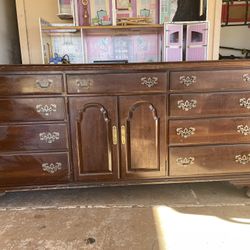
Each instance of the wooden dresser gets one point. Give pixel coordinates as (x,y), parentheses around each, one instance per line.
(95,125)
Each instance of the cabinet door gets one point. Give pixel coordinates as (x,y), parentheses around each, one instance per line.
(143,139)
(173,42)
(196,42)
(94,138)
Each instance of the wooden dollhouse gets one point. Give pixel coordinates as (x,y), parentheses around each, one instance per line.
(115,30)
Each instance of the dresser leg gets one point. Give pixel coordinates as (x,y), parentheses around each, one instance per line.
(243,184)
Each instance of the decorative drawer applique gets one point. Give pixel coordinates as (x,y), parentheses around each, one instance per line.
(245,130)
(245,103)
(242,159)
(246,78)
(185,132)
(46,109)
(188,80)
(187,105)
(49,137)
(51,167)
(149,81)
(187,161)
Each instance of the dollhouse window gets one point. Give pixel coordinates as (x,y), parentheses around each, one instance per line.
(174,37)
(196,36)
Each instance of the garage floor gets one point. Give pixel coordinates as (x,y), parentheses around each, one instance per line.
(206,216)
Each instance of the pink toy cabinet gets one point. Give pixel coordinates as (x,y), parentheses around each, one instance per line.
(185,41)
(196,45)
(173,42)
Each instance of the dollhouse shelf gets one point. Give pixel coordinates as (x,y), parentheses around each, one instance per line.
(65,16)
(130,27)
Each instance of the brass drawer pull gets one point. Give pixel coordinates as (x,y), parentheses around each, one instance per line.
(115,137)
(245,130)
(46,109)
(185,132)
(245,103)
(123,134)
(85,83)
(246,78)
(186,105)
(149,81)
(49,137)
(188,80)
(44,84)
(242,159)
(187,161)
(51,167)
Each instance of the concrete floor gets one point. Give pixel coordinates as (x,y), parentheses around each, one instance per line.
(205,216)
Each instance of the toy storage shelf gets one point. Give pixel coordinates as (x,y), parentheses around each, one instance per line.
(128,27)
(137,43)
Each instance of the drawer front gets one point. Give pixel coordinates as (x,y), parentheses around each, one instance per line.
(209,131)
(32,169)
(33,137)
(210,80)
(30,84)
(216,104)
(117,83)
(206,160)
(32,109)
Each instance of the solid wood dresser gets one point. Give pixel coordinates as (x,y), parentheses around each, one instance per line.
(95,125)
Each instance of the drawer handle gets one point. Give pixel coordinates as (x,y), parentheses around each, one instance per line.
(246,78)
(49,137)
(242,159)
(46,109)
(51,167)
(123,135)
(245,103)
(149,81)
(188,80)
(245,130)
(187,105)
(44,84)
(185,132)
(187,161)
(115,137)
(85,83)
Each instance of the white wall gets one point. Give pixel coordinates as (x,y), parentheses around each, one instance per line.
(237,37)
(9,41)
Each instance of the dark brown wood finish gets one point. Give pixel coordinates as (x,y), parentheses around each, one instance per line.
(143,138)
(95,139)
(209,160)
(30,84)
(121,127)
(117,83)
(209,131)
(34,169)
(33,137)
(32,109)
(207,81)
(213,104)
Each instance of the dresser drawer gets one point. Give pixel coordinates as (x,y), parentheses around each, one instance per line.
(210,80)
(33,137)
(117,83)
(30,84)
(209,131)
(214,104)
(33,169)
(32,109)
(206,160)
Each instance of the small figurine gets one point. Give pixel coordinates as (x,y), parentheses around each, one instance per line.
(56,59)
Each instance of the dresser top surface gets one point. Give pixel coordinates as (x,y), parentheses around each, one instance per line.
(175,66)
